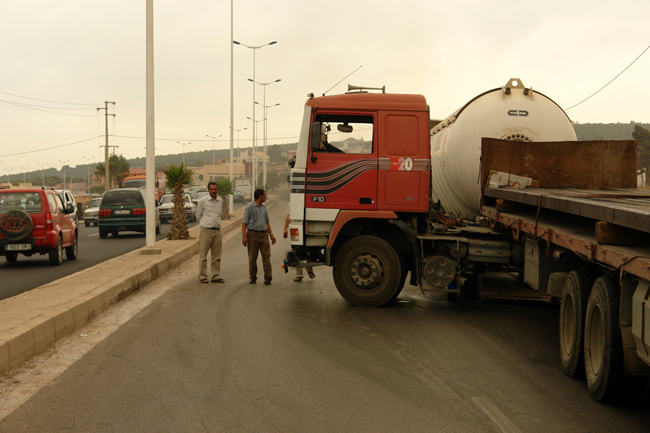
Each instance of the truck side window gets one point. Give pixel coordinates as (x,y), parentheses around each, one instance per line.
(352,134)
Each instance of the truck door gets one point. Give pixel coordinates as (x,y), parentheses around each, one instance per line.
(342,164)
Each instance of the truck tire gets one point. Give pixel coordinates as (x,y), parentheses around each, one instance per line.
(602,341)
(575,295)
(367,271)
(56,253)
(72,251)
(16,225)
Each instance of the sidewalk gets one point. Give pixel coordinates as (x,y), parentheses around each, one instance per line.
(33,321)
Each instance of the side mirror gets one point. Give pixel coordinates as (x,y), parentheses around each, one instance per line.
(315,135)
(69,208)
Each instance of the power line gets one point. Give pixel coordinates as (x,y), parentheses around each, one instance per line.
(610,82)
(48,148)
(47,111)
(44,100)
(43,106)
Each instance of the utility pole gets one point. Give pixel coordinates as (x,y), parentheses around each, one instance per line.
(106,165)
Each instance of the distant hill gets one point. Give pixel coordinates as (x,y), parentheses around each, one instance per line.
(606,131)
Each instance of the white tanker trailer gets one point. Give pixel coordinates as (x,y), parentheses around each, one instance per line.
(512,112)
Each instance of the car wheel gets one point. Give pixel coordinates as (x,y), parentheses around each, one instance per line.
(158,228)
(11,257)
(115,233)
(71,251)
(56,254)
(95,224)
(103,234)
(86,223)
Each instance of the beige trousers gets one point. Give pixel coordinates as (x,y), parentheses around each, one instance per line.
(209,240)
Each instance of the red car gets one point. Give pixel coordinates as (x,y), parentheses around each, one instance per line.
(35,221)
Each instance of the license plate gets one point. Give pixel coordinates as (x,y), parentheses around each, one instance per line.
(122,212)
(18,247)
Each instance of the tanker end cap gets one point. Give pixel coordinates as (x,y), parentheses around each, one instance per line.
(515,83)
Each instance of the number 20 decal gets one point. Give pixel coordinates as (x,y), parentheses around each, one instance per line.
(401,164)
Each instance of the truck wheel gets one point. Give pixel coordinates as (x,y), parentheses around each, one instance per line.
(402,280)
(367,271)
(11,257)
(72,251)
(602,341)
(56,254)
(575,294)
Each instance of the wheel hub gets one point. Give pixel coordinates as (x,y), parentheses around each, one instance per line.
(366,270)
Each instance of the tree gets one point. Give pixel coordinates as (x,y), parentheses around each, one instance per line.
(225,189)
(642,137)
(177,176)
(118,166)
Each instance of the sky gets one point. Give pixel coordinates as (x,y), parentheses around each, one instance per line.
(61,60)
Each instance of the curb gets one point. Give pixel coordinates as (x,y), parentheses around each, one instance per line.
(35,320)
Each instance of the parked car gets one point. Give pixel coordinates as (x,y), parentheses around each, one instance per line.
(67,198)
(91,214)
(198,196)
(35,221)
(194,189)
(238,197)
(123,209)
(166,207)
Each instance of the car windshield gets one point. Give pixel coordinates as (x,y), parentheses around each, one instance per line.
(27,201)
(125,198)
(95,202)
(200,195)
(134,183)
(167,199)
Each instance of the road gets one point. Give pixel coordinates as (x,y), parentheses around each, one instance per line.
(295,357)
(28,273)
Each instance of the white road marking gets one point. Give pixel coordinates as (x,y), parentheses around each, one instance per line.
(496,415)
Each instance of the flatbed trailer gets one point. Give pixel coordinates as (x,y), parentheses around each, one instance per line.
(601,224)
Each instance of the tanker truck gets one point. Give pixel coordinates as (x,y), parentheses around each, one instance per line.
(384,195)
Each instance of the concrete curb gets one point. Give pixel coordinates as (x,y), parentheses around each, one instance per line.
(33,321)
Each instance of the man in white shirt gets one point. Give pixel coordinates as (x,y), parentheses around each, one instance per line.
(208,213)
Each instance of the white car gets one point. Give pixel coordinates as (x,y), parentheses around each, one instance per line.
(166,208)
(67,198)
(91,214)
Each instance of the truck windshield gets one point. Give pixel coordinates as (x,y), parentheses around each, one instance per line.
(345,133)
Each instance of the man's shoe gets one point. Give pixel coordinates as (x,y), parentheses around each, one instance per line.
(253,281)
(267,281)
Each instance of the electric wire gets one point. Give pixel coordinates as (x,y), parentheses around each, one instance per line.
(47,111)
(47,148)
(610,82)
(45,100)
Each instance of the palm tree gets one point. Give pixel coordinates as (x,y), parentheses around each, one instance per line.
(225,189)
(177,176)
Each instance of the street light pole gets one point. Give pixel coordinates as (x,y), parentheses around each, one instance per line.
(88,159)
(255,150)
(238,153)
(184,144)
(265,123)
(264,105)
(64,163)
(214,139)
(254,48)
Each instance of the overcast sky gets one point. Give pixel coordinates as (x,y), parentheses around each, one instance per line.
(80,53)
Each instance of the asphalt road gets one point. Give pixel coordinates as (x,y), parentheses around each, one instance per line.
(295,357)
(30,272)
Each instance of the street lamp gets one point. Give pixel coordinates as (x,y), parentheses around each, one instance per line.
(255,150)
(43,164)
(264,105)
(214,139)
(265,122)
(184,144)
(24,178)
(88,159)
(238,151)
(64,163)
(254,48)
